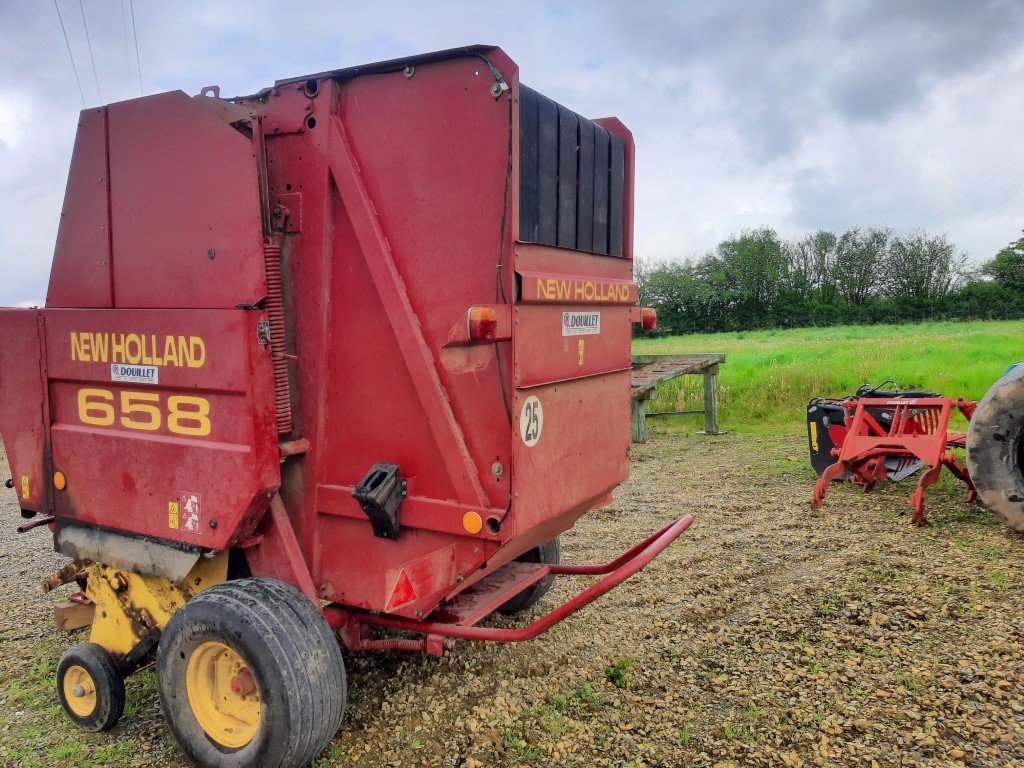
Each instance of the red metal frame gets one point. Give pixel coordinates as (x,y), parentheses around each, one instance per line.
(351,623)
(323,247)
(919,430)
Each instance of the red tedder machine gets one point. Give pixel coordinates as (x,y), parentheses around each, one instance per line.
(343,357)
(877,435)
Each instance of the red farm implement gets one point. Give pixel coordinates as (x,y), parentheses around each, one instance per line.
(888,438)
(338,358)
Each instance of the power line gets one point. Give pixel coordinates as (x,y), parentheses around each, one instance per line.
(962,222)
(131,6)
(70,55)
(124,29)
(981,194)
(91,58)
(984,204)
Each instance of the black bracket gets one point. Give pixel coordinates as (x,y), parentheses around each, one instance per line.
(381,494)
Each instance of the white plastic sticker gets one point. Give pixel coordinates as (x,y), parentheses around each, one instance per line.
(190,512)
(581,323)
(137,374)
(531,421)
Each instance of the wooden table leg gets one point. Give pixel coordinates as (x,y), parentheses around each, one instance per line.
(711,401)
(638,421)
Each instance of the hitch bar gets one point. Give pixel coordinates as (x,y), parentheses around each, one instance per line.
(615,572)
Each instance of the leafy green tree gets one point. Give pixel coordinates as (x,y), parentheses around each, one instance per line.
(757,280)
(858,263)
(1007,268)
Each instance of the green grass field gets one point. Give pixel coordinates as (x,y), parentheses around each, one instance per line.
(769,376)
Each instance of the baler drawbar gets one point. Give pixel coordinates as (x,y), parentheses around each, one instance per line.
(339,359)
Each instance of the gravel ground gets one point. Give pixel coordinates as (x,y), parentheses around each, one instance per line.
(767,636)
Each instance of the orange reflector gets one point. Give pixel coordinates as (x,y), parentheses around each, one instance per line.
(649,317)
(481,324)
(472,522)
(59,481)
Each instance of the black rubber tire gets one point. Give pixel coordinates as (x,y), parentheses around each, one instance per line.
(95,660)
(994,448)
(292,654)
(548,554)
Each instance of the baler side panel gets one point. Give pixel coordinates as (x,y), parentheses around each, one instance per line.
(187,228)
(399,180)
(153,407)
(570,469)
(80,276)
(572,353)
(439,210)
(22,419)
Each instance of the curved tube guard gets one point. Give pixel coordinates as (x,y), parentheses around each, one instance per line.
(615,572)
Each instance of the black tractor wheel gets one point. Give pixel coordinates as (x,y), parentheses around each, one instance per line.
(549,554)
(250,674)
(90,687)
(995,442)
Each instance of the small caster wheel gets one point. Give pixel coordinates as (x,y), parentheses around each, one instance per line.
(90,688)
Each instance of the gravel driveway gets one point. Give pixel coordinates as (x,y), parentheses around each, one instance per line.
(767,636)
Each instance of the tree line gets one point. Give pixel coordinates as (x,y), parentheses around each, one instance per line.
(871,275)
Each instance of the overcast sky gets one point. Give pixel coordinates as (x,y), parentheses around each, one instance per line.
(798,115)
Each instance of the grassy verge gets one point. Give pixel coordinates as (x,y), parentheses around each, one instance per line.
(769,376)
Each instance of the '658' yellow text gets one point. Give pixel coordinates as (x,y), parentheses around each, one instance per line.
(146,411)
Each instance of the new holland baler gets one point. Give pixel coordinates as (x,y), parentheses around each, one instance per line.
(340,359)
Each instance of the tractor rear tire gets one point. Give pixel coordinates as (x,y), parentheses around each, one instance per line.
(995,442)
(90,687)
(250,674)
(549,554)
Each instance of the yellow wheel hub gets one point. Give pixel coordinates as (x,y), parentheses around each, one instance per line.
(79,691)
(223,695)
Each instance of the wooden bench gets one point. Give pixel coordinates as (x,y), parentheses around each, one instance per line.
(651,370)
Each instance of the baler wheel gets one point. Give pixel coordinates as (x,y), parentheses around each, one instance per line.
(549,554)
(250,674)
(995,448)
(90,687)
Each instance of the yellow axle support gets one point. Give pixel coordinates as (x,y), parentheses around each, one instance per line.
(130,606)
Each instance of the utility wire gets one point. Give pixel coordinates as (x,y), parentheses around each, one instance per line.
(70,55)
(991,211)
(131,6)
(984,205)
(124,29)
(979,192)
(91,57)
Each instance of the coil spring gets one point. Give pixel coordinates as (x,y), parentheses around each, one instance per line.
(275,314)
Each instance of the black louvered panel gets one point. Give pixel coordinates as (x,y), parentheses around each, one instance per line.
(601,168)
(585,194)
(568,175)
(529,171)
(547,167)
(572,178)
(615,194)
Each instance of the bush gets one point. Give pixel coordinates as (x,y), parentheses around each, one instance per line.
(756,281)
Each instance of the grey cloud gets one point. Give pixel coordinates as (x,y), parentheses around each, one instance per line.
(792,113)
(786,65)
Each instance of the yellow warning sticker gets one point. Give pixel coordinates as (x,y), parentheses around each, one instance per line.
(26,490)
(172,515)
(581,350)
